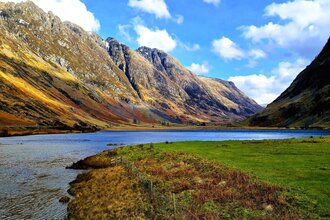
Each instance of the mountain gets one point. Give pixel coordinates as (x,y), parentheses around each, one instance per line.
(306,103)
(55,74)
(162,82)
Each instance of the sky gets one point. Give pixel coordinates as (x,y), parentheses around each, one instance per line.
(260,45)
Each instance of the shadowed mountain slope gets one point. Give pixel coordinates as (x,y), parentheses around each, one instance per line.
(306,103)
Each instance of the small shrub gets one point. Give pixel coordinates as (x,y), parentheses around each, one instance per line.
(135,121)
(140,146)
(64,199)
(210,207)
(112,153)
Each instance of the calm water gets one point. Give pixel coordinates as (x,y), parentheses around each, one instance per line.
(32,169)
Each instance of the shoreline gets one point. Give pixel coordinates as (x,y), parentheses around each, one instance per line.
(207,128)
(28,132)
(21,133)
(184,169)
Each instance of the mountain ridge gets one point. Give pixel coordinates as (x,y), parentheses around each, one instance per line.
(56,74)
(182,88)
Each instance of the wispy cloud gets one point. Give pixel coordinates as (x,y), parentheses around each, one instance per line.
(264,89)
(74,11)
(157,7)
(200,69)
(214,2)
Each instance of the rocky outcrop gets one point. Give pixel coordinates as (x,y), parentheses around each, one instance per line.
(306,103)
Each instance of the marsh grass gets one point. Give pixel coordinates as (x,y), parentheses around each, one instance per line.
(107,193)
(299,165)
(201,184)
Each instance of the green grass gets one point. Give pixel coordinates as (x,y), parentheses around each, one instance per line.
(302,165)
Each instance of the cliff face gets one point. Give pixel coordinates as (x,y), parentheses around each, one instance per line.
(306,103)
(55,74)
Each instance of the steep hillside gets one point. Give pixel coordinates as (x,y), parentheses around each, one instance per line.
(306,103)
(162,82)
(55,74)
(227,93)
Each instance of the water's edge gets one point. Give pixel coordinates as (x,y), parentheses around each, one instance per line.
(32,168)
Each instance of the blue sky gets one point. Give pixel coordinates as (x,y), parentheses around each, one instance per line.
(202,24)
(260,45)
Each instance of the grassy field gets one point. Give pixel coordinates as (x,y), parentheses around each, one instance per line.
(301,164)
(283,179)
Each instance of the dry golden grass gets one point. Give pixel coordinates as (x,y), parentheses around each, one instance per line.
(108,193)
(7,119)
(178,185)
(30,90)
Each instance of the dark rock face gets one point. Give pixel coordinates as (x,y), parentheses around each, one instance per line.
(306,103)
(73,79)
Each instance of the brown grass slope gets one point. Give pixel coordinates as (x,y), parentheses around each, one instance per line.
(306,103)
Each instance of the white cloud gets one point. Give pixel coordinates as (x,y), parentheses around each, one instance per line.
(151,37)
(188,47)
(156,7)
(264,89)
(179,19)
(303,27)
(214,2)
(124,31)
(287,71)
(252,64)
(227,49)
(137,20)
(74,11)
(257,54)
(159,39)
(199,69)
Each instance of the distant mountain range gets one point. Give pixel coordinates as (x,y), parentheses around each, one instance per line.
(55,74)
(306,103)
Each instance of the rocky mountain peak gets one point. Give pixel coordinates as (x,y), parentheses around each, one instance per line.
(151,53)
(118,52)
(155,56)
